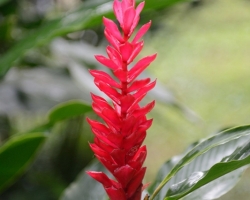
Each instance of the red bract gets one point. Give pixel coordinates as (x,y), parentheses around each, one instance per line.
(118,141)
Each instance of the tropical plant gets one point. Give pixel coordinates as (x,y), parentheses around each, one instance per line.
(206,170)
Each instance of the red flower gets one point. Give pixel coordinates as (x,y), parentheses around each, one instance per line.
(118,141)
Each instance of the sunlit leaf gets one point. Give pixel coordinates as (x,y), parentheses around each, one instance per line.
(16,155)
(213,153)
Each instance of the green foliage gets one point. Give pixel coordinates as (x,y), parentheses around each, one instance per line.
(77,20)
(68,110)
(3,2)
(204,163)
(88,15)
(200,179)
(63,111)
(210,164)
(216,162)
(85,186)
(159,4)
(16,154)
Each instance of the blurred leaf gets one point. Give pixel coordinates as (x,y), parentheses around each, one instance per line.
(159,4)
(86,16)
(8,9)
(85,187)
(63,111)
(3,2)
(73,151)
(74,52)
(71,22)
(68,110)
(42,128)
(16,154)
(207,157)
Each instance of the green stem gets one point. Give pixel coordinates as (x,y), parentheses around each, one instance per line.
(160,186)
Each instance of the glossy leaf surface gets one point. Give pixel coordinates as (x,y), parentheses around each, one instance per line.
(199,179)
(16,154)
(205,161)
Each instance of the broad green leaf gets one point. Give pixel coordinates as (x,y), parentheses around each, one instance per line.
(85,187)
(68,110)
(61,112)
(238,159)
(200,158)
(44,128)
(88,15)
(219,186)
(16,154)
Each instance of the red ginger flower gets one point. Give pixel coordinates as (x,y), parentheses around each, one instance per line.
(118,141)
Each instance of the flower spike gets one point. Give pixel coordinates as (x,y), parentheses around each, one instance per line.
(118,141)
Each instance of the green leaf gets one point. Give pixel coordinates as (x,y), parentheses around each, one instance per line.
(199,159)
(16,154)
(88,15)
(77,20)
(44,128)
(238,159)
(68,110)
(3,2)
(159,4)
(63,111)
(85,187)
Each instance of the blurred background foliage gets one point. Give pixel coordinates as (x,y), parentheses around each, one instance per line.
(47,47)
